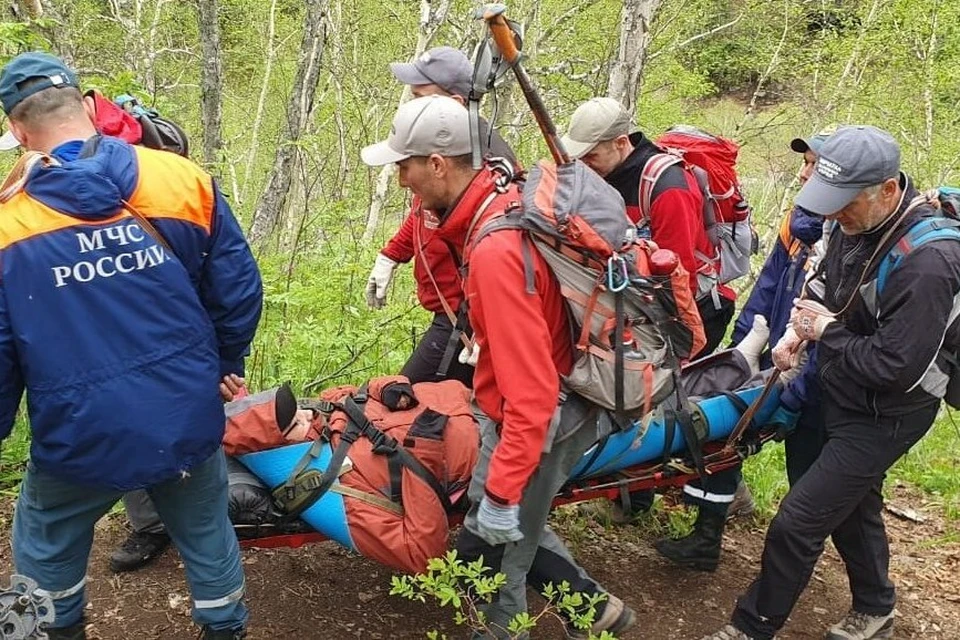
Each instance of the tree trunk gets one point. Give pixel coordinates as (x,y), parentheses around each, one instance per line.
(430,21)
(298,112)
(211,81)
(635,36)
(269,56)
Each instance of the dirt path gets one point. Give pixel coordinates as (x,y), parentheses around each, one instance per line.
(323,592)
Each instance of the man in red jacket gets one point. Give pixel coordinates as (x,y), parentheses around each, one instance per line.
(532,431)
(442,71)
(600,135)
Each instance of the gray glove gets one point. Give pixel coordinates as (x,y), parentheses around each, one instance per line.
(497,524)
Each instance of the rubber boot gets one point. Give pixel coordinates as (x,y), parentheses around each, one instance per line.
(74,632)
(701,549)
(223,634)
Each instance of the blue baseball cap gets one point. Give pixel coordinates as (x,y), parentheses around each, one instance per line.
(852,159)
(34,65)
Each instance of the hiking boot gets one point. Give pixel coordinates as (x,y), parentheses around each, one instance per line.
(73,632)
(729,632)
(616,618)
(860,626)
(742,505)
(701,549)
(138,550)
(223,634)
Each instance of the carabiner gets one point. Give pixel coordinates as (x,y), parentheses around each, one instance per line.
(624,278)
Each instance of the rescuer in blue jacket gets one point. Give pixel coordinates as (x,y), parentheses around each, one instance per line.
(120,332)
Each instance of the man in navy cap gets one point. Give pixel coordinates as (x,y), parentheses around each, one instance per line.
(771,303)
(441,71)
(128,292)
(880,332)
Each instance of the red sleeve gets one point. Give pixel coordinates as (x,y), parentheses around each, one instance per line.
(400,246)
(516,348)
(675,224)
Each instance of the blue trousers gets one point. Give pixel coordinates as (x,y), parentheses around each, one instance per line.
(53,533)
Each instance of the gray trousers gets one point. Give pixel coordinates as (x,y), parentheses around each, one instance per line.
(142,514)
(541,556)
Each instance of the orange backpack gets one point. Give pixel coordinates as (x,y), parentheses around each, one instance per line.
(634,313)
(401,455)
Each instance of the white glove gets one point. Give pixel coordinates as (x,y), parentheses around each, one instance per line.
(784,354)
(810,319)
(469,357)
(379,280)
(754,342)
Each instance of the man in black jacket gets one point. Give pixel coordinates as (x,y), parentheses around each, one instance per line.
(882,373)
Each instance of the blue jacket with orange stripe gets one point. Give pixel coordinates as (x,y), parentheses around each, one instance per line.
(119,344)
(779,283)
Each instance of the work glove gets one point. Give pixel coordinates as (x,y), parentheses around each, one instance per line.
(379,280)
(785,352)
(470,356)
(810,319)
(496,523)
(800,357)
(754,343)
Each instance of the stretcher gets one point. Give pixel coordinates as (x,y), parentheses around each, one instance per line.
(652,454)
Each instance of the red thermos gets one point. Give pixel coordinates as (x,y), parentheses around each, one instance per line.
(663,262)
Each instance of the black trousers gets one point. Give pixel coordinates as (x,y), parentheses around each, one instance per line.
(839,496)
(424,363)
(803,446)
(715,322)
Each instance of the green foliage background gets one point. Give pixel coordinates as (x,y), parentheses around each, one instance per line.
(780,69)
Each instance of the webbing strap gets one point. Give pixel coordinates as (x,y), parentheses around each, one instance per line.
(651,173)
(388,446)
(618,356)
(370,498)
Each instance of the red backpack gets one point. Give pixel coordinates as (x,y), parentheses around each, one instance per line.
(726,212)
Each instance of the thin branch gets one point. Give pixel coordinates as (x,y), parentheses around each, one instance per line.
(699,36)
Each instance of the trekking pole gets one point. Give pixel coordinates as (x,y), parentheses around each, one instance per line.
(492,14)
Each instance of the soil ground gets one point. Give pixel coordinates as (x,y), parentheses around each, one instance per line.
(322,591)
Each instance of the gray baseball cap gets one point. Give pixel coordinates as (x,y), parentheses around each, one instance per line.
(446,67)
(424,126)
(814,142)
(849,161)
(596,120)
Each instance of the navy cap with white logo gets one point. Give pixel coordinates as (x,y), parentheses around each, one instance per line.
(849,161)
(48,70)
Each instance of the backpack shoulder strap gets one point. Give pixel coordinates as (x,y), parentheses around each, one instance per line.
(512,219)
(652,171)
(922,232)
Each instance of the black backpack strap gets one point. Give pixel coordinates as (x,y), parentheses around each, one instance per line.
(453,342)
(683,416)
(388,446)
